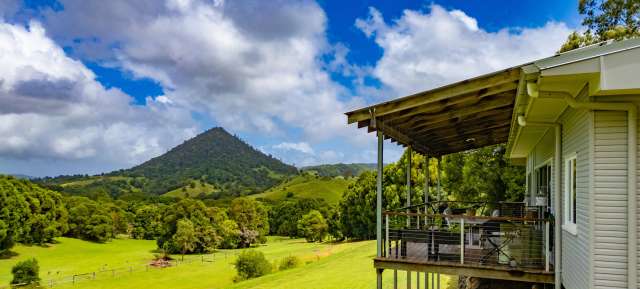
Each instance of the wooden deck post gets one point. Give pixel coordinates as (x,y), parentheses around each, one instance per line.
(438,179)
(395,279)
(379,195)
(409,153)
(379,207)
(426,187)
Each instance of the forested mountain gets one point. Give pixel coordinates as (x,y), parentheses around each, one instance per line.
(345,170)
(214,157)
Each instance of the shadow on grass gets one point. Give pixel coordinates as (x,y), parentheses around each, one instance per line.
(8,255)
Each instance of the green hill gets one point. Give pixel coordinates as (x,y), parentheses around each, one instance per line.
(214,157)
(193,189)
(309,186)
(345,170)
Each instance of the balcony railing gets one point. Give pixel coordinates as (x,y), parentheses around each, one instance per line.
(518,238)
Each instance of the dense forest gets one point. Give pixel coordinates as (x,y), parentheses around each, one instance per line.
(214,157)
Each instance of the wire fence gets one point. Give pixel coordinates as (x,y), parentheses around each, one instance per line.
(114,272)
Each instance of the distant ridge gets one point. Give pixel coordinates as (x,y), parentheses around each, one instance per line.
(340,169)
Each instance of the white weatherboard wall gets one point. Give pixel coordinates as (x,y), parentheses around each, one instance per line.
(614,125)
(610,200)
(575,248)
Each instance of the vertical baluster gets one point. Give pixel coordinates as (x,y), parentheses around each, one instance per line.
(387,241)
(546,245)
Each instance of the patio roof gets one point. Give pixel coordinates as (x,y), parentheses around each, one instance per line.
(465,115)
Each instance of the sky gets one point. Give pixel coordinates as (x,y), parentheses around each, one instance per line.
(93,86)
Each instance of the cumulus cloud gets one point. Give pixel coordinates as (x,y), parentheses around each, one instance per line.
(51,107)
(250,65)
(426,49)
(302,147)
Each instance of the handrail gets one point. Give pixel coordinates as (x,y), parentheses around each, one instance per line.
(394,213)
(456,202)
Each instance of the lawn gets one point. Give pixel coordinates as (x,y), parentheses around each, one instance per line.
(341,265)
(309,186)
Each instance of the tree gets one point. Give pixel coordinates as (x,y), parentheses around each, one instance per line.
(185,236)
(89,220)
(313,226)
(252,219)
(605,20)
(206,223)
(26,272)
(251,264)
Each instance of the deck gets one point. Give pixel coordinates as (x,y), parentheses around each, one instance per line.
(514,247)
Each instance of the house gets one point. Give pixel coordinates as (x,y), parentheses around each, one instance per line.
(572,120)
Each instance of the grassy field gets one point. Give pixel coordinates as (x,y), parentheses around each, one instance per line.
(197,189)
(324,266)
(309,186)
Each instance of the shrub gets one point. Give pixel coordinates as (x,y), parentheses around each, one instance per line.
(251,264)
(289,263)
(26,272)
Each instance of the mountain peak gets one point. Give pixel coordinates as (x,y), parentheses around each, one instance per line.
(216,157)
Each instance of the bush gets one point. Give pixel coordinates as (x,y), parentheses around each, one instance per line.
(251,264)
(26,272)
(289,263)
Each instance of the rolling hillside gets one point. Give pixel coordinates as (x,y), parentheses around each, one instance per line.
(345,170)
(308,186)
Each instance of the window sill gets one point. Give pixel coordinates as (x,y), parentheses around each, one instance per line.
(570,228)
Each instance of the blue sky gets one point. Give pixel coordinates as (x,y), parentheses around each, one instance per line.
(92,86)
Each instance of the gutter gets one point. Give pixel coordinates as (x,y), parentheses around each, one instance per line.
(557,240)
(632,153)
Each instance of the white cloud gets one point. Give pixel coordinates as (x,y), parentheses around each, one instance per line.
(423,50)
(302,147)
(252,66)
(51,107)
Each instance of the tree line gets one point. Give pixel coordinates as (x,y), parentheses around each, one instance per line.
(30,214)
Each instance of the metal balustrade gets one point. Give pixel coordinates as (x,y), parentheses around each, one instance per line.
(423,234)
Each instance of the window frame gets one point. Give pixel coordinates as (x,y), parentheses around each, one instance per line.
(570,194)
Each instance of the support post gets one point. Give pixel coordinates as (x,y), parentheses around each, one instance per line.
(438,180)
(395,279)
(409,153)
(379,208)
(461,240)
(379,196)
(418,280)
(557,208)
(408,279)
(426,187)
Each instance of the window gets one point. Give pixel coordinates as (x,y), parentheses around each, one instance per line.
(543,184)
(570,188)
